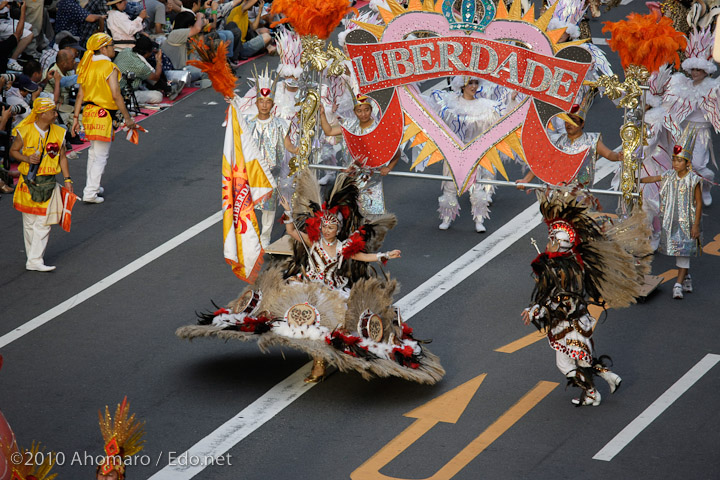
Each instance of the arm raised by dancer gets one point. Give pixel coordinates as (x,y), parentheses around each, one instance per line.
(329,130)
(290,227)
(300,236)
(289,145)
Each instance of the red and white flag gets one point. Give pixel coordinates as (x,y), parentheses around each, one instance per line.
(68,202)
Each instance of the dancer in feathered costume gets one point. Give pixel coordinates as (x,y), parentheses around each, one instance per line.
(583,265)
(286,99)
(272,135)
(694,103)
(289,71)
(469,116)
(324,300)
(652,42)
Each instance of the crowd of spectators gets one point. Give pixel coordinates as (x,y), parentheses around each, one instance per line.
(41,43)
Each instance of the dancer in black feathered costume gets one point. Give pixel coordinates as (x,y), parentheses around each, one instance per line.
(582,265)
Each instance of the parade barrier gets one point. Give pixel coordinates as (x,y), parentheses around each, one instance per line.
(486,181)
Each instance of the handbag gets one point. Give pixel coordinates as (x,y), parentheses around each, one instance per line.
(42,188)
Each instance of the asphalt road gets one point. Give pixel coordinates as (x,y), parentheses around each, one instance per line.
(116,338)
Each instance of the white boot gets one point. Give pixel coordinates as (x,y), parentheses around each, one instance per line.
(613,379)
(592,397)
(479,227)
(445,223)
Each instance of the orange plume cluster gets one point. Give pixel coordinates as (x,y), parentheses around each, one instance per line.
(312,17)
(213,61)
(647,40)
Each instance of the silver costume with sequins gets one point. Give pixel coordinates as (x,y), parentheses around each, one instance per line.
(270,135)
(678,211)
(586,175)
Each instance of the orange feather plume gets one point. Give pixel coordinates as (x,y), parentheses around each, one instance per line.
(312,17)
(648,40)
(213,61)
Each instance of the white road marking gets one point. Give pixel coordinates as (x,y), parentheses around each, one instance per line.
(643,420)
(599,41)
(109,281)
(284,393)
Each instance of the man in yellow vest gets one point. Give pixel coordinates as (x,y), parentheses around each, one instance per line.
(99,80)
(39,146)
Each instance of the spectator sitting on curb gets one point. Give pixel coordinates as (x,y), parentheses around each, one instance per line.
(72,17)
(63,40)
(123,29)
(14,37)
(187,25)
(60,82)
(22,87)
(250,38)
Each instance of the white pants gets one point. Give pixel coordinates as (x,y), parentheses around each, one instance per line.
(98,155)
(148,96)
(36,235)
(267,221)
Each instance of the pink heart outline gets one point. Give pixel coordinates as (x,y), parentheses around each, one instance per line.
(463,160)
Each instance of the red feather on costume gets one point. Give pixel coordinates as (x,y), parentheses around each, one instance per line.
(312,17)
(312,226)
(214,62)
(356,243)
(647,40)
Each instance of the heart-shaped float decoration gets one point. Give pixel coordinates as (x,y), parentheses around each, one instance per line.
(542,100)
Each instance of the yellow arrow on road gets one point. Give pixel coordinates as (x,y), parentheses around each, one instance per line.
(448,408)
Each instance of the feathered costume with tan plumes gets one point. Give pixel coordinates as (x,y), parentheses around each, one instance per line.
(122,435)
(355,326)
(589,264)
(645,40)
